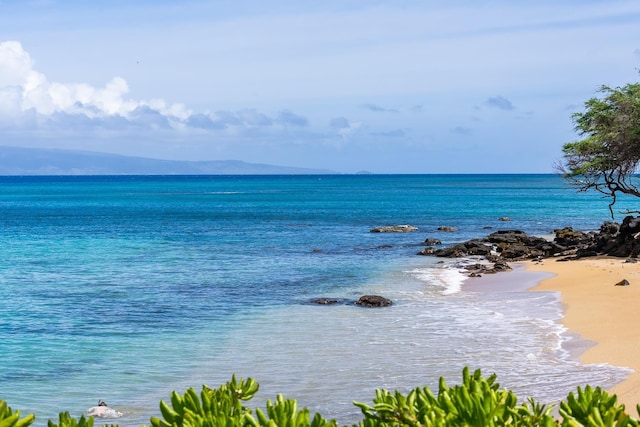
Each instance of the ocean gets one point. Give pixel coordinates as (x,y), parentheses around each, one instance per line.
(125,288)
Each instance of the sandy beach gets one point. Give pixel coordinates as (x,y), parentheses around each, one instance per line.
(600,311)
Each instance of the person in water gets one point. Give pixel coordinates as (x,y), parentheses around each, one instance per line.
(103,411)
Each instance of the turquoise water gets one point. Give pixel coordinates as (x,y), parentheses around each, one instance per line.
(126,288)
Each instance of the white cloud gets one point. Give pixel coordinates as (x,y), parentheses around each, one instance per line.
(24,91)
(31,90)
(80,106)
(15,64)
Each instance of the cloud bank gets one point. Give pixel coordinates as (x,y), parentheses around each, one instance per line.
(28,100)
(24,90)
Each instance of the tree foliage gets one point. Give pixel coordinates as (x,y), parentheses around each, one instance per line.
(606,159)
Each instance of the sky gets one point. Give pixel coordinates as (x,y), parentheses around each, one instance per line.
(458,86)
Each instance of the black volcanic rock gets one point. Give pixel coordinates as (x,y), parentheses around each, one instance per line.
(374,301)
(612,239)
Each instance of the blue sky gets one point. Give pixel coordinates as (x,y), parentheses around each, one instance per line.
(389,87)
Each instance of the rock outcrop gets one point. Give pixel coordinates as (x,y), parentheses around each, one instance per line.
(612,239)
(618,240)
(512,245)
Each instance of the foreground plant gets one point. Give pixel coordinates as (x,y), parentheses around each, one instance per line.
(224,407)
(8,418)
(221,406)
(66,420)
(595,407)
(477,401)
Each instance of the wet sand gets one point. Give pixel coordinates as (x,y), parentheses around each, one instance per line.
(600,311)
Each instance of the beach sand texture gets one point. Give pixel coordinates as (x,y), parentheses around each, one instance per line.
(600,311)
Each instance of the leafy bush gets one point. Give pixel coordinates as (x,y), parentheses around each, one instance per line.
(223,407)
(477,401)
(595,407)
(65,420)
(8,418)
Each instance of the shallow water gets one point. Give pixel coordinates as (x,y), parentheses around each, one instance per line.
(126,288)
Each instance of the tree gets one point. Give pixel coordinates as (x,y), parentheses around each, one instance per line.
(607,159)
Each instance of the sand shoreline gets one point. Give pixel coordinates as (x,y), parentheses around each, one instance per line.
(600,312)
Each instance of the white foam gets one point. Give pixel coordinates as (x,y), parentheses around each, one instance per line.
(448,278)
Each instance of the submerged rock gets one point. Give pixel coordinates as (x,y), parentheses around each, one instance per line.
(432,242)
(324,301)
(405,228)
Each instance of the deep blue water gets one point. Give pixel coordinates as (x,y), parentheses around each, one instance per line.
(126,288)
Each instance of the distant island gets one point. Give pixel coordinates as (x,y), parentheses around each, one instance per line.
(41,161)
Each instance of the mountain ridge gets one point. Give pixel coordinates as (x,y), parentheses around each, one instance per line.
(53,161)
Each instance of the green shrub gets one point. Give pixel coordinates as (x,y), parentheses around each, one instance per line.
(476,402)
(8,418)
(224,407)
(213,407)
(284,413)
(65,420)
(595,407)
(532,413)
